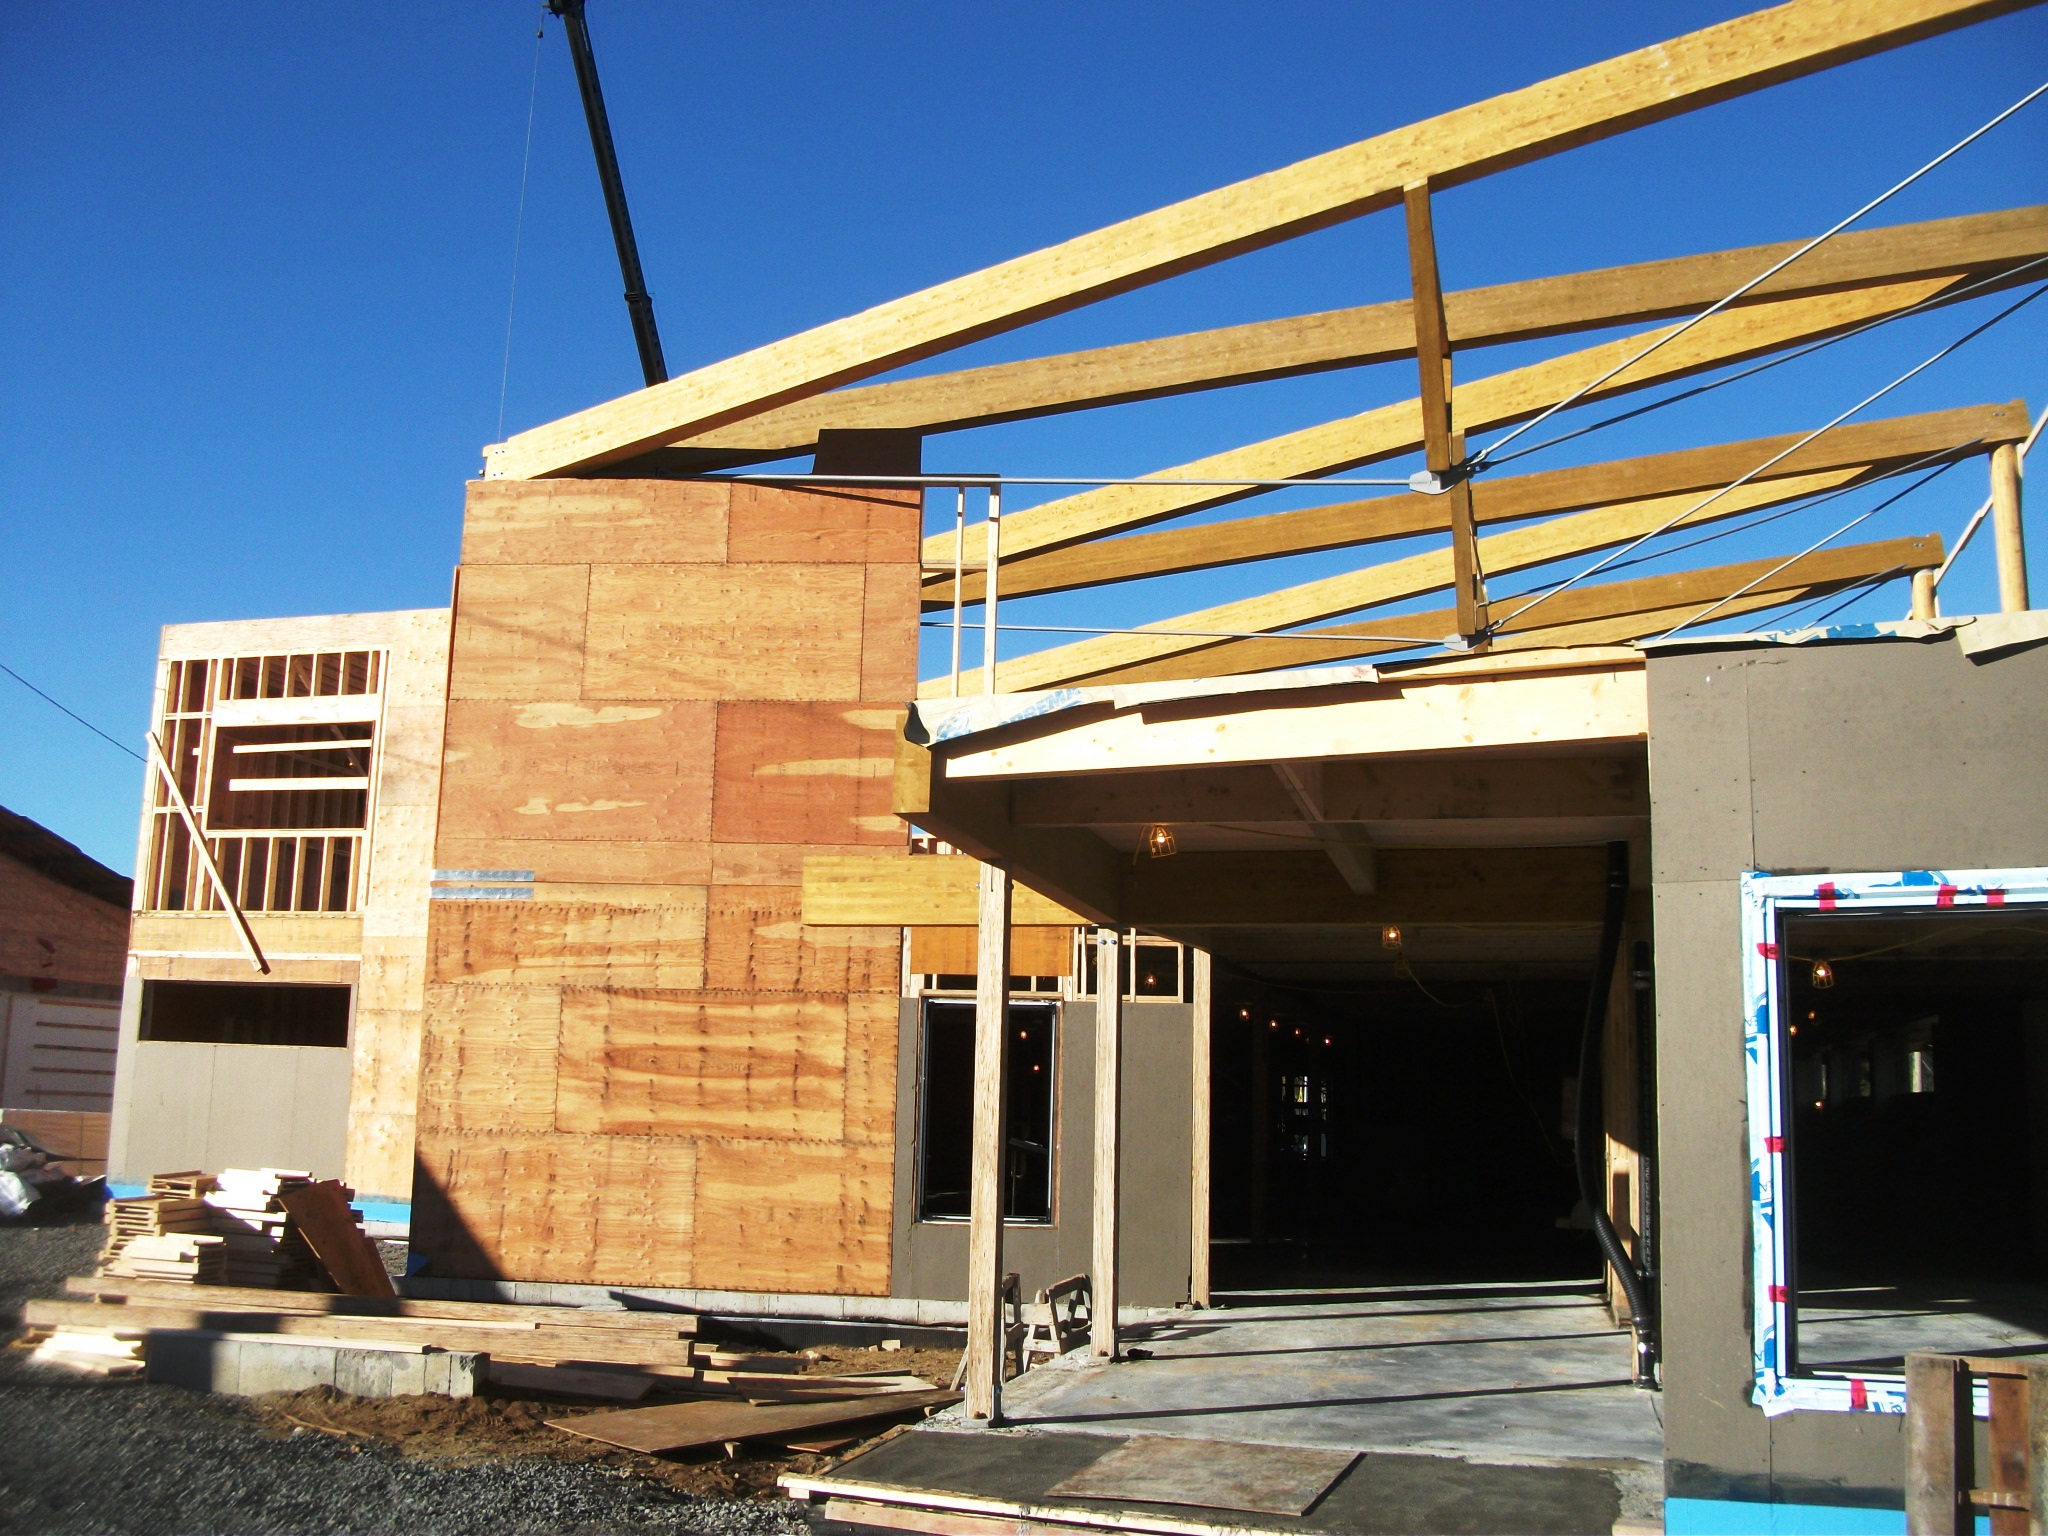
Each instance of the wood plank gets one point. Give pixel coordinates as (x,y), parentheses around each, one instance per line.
(1373,333)
(497,1339)
(1519,549)
(1169,551)
(987,1326)
(908,891)
(1603,701)
(1713,64)
(1108,1165)
(519,631)
(225,1298)
(682,1426)
(1938,1418)
(1391,430)
(321,1213)
(1649,599)
(950,950)
(576,522)
(801,1216)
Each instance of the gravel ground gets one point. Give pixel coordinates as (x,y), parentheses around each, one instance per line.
(86,1456)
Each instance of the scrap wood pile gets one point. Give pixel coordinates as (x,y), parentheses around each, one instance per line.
(231,1228)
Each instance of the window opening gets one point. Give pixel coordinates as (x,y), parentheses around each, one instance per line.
(245,1013)
(1898,1104)
(946,1111)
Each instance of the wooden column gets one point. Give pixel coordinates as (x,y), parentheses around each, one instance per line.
(1924,605)
(2006,529)
(1199,1149)
(1620,1079)
(1938,1450)
(2037,1448)
(985,1322)
(1443,446)
(1109,1079)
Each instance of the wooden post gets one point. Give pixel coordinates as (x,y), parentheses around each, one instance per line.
(2006,529)
(2007,1444)
(1924,606)
(1199,1144)
(1443,447)
(985,1351)
(1109,1078)
(1937,1454)
(2037,1447)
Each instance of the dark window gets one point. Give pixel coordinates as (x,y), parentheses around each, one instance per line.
(946,1112)
(245,1013)
(1915,1045)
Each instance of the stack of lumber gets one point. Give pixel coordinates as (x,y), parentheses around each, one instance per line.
(541,1336)
(152,1215)
(265,1246)
(91,1353)
(197,1258)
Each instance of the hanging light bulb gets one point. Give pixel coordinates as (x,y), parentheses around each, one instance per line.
(1390,937)
(1159,842)
(1823,974)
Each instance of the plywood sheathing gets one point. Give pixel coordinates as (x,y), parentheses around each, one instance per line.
(652,1072)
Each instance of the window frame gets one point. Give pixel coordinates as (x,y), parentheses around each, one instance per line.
(1765,898)
(1054,1047)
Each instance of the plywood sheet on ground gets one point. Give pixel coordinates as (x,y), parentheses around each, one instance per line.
(1216,1474)
(680,1426)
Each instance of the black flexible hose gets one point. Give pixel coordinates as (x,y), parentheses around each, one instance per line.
(1589,1143)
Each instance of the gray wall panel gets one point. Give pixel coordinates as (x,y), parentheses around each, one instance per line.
(1827,758)
(931,1257)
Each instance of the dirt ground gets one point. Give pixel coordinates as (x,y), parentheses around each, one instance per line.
(123,1458)
(498,1425)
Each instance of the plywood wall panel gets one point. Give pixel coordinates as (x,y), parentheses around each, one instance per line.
(652,1072)
(659,1064)
(569,522)
(842,527)
(567,770)
(803,773)
(756,942)
(725,631)
(489,1062)
(531,943)
(793,1216)
(519,632)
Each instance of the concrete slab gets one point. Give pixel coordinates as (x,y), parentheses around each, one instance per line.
(1873,1327)
(1531,1373)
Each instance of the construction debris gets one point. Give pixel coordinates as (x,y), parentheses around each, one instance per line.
(239,1217)
(683,1426)
(30,1173)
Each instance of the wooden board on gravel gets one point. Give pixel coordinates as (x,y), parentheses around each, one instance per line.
(681,1426)
(331,1231)
(661,1324)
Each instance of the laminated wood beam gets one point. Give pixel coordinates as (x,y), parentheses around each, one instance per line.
(894,890)
(1391,430)
(1169,551)
(1109,1081)
(987,1327)
(1604,614)
(1974,244)
(1713,64)
(1392,581)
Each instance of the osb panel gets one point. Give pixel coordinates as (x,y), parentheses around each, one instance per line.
(793,1216)
(519,632)
(401,862)
(569,1209)
(802,773)
(565,771)
(409,755)
(236,967)
(889,633)
(589,861)
(488,1063)
(724,632)
(573,522)
(646,1063)
(532,944)
(838,527)
(756,941)
(378,1160)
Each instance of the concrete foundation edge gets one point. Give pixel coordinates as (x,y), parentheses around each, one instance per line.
(244,1367)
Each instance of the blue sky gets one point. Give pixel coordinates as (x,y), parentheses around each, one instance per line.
(256,263)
